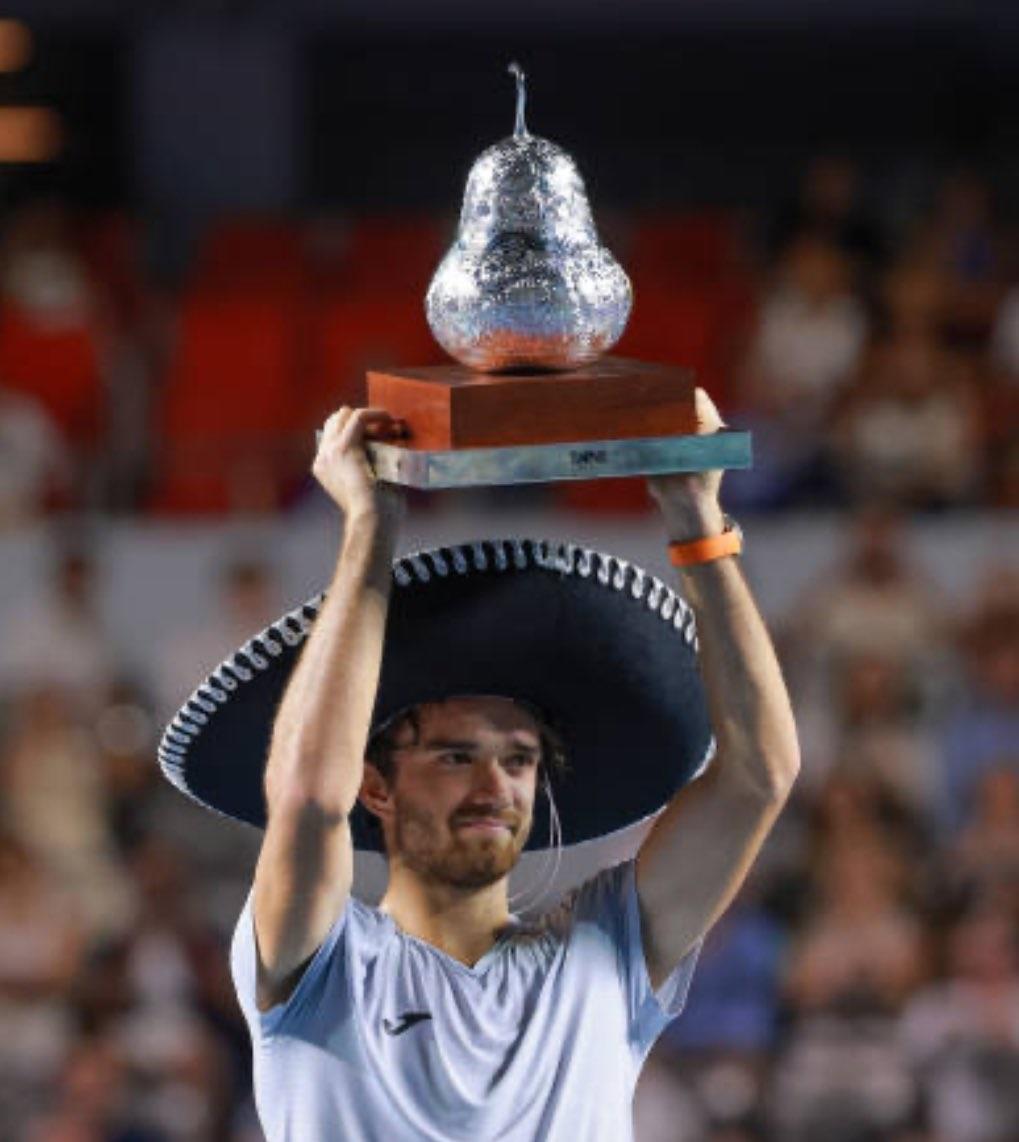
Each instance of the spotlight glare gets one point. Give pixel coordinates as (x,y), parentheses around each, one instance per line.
(29,135)
(15,45)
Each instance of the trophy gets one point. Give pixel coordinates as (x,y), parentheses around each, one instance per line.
(528,300)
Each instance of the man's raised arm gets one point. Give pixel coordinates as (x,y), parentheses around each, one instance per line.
(701,847)
(316,756)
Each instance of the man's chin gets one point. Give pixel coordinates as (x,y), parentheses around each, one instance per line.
(469,859)
(481,862)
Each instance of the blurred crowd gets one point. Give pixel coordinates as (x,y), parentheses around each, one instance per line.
(865,986)
(870,341)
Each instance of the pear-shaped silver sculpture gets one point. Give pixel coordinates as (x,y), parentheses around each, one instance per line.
(526,284)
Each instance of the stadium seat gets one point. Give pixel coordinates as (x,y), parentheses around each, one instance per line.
(58,364)
(231,401)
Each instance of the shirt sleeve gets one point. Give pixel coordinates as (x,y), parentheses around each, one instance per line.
(244,969)
(609,900)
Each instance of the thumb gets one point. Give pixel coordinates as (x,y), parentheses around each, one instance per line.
(709,419)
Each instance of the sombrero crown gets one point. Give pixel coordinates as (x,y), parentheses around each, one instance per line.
(604,649)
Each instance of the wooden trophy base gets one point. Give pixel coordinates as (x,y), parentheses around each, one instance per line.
(615,417)
(450,406)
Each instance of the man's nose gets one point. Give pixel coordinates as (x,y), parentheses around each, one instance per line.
(491,779)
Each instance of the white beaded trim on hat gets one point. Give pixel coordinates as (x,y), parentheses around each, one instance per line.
(419,567)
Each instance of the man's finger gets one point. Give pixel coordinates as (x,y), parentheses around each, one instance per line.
(372,422)
(360,424)
(709,419)
(334,422)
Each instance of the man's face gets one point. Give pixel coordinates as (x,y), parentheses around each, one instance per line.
(461,798)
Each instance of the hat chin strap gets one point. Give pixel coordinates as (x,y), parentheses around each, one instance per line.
(523,899)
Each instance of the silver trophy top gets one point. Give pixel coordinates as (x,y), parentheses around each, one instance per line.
(526,283)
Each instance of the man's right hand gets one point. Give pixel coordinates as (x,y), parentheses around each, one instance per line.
(316,756)
(342,467)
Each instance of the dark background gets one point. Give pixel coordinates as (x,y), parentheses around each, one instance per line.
(362,116)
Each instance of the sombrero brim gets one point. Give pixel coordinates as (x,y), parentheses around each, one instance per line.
(604,649)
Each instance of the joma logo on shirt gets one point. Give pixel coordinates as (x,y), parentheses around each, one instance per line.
(405,1022)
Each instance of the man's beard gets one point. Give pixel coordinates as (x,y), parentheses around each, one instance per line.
(467,859)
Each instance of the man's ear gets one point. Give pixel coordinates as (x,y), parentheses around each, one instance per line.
(375,794)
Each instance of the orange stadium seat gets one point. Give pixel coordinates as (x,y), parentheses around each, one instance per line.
(694,246)
(232,404)
(58,364)
(250,252)
(394,255)
(351,334)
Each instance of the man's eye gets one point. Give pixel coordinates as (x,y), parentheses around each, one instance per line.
(522,760)
(455,757)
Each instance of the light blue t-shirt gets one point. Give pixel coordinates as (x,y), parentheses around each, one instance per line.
(388,1039)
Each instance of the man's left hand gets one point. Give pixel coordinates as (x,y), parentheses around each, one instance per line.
(689,500)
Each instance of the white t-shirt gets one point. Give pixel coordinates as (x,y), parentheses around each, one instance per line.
(386,1038)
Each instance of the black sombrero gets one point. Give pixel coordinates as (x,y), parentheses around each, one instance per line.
(605,650)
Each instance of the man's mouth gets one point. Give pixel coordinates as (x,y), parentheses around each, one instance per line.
(485,824)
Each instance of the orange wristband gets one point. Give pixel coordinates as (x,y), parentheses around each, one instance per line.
(706,550)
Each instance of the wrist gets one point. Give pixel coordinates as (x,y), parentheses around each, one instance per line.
(367,550)
(365,521)
(383,510)
(369,531)
(689,521)
(708,547)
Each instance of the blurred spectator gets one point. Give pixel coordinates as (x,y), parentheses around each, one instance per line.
(248,601)
(860,950)
(53,343)
(665,1109)
(960,237)
(1001,411)
(55,799)
(35,464)
(91,1102)
(963,1033)
(1005,337)
(59,639)
(981,733)
(960,231)
(870,604)
(843,1073)
(125,736)
(811,330)
(909,432)
(810,333)
(40,951)
(985,859)
(878,732)
(180,1070)
(914,301)
(829,205)
(40,269)
(852,812)
(843,1080)
(155,1061)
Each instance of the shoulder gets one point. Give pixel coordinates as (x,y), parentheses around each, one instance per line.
(357,929)
(602,900)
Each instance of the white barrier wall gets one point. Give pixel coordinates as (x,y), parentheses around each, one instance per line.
(158,578)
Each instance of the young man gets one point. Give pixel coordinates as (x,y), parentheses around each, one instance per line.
(443,711)
(438,1015)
